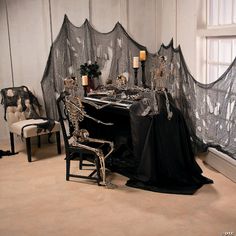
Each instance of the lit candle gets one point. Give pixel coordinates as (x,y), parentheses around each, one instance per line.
(135,62)
(84,80)
(142,55)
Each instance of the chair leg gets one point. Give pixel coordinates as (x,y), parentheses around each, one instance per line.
(81,164)
(12,142)
(67,168)
(81,161)
(97,163)
(58,138)
(39,141)
(28,148)
(49,136)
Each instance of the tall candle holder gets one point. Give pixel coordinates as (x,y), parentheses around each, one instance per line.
(143,74)
(85,90)
(135,76)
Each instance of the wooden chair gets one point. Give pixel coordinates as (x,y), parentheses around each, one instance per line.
(22,115)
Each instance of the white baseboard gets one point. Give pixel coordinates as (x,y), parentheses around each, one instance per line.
(222,163)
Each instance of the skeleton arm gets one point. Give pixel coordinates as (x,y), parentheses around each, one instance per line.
(78,108)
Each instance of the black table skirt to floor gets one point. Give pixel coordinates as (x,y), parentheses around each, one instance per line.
(153,152)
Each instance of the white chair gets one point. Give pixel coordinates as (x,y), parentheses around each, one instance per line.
(22,115)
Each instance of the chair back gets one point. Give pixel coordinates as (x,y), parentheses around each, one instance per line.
(19,104)
(66,125)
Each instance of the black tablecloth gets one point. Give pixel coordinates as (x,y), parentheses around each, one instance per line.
(163,148)
(153,151)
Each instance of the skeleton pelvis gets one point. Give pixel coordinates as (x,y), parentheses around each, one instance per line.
(81,135)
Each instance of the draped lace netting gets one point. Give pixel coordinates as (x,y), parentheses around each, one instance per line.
(209,109)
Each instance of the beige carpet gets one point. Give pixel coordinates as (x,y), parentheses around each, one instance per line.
(36,200)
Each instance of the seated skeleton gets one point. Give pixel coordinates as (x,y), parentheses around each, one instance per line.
(75,113)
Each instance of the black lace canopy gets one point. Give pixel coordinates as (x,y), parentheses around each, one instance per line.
(209,109)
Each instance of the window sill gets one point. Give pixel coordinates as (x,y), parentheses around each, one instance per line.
(222,163)
(216,32)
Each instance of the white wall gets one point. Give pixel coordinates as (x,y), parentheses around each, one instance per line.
(105,14)
(76,10)
(5,62)
(186,31)
(180,20)
(144,24)
(30,41)
(168,22)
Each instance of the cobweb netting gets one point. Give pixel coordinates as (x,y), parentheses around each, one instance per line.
(209,109)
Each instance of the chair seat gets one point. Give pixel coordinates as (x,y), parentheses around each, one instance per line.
(31,130)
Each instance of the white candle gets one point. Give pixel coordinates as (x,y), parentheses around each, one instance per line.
(142,55)
(135,62)
(84,80)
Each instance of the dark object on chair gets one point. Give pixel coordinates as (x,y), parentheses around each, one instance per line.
(21,111)
(78,145)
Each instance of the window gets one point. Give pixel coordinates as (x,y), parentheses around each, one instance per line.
(220,53)
(221,12)
(221,44)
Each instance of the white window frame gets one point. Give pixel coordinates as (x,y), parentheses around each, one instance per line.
(217,61)
(205,31)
